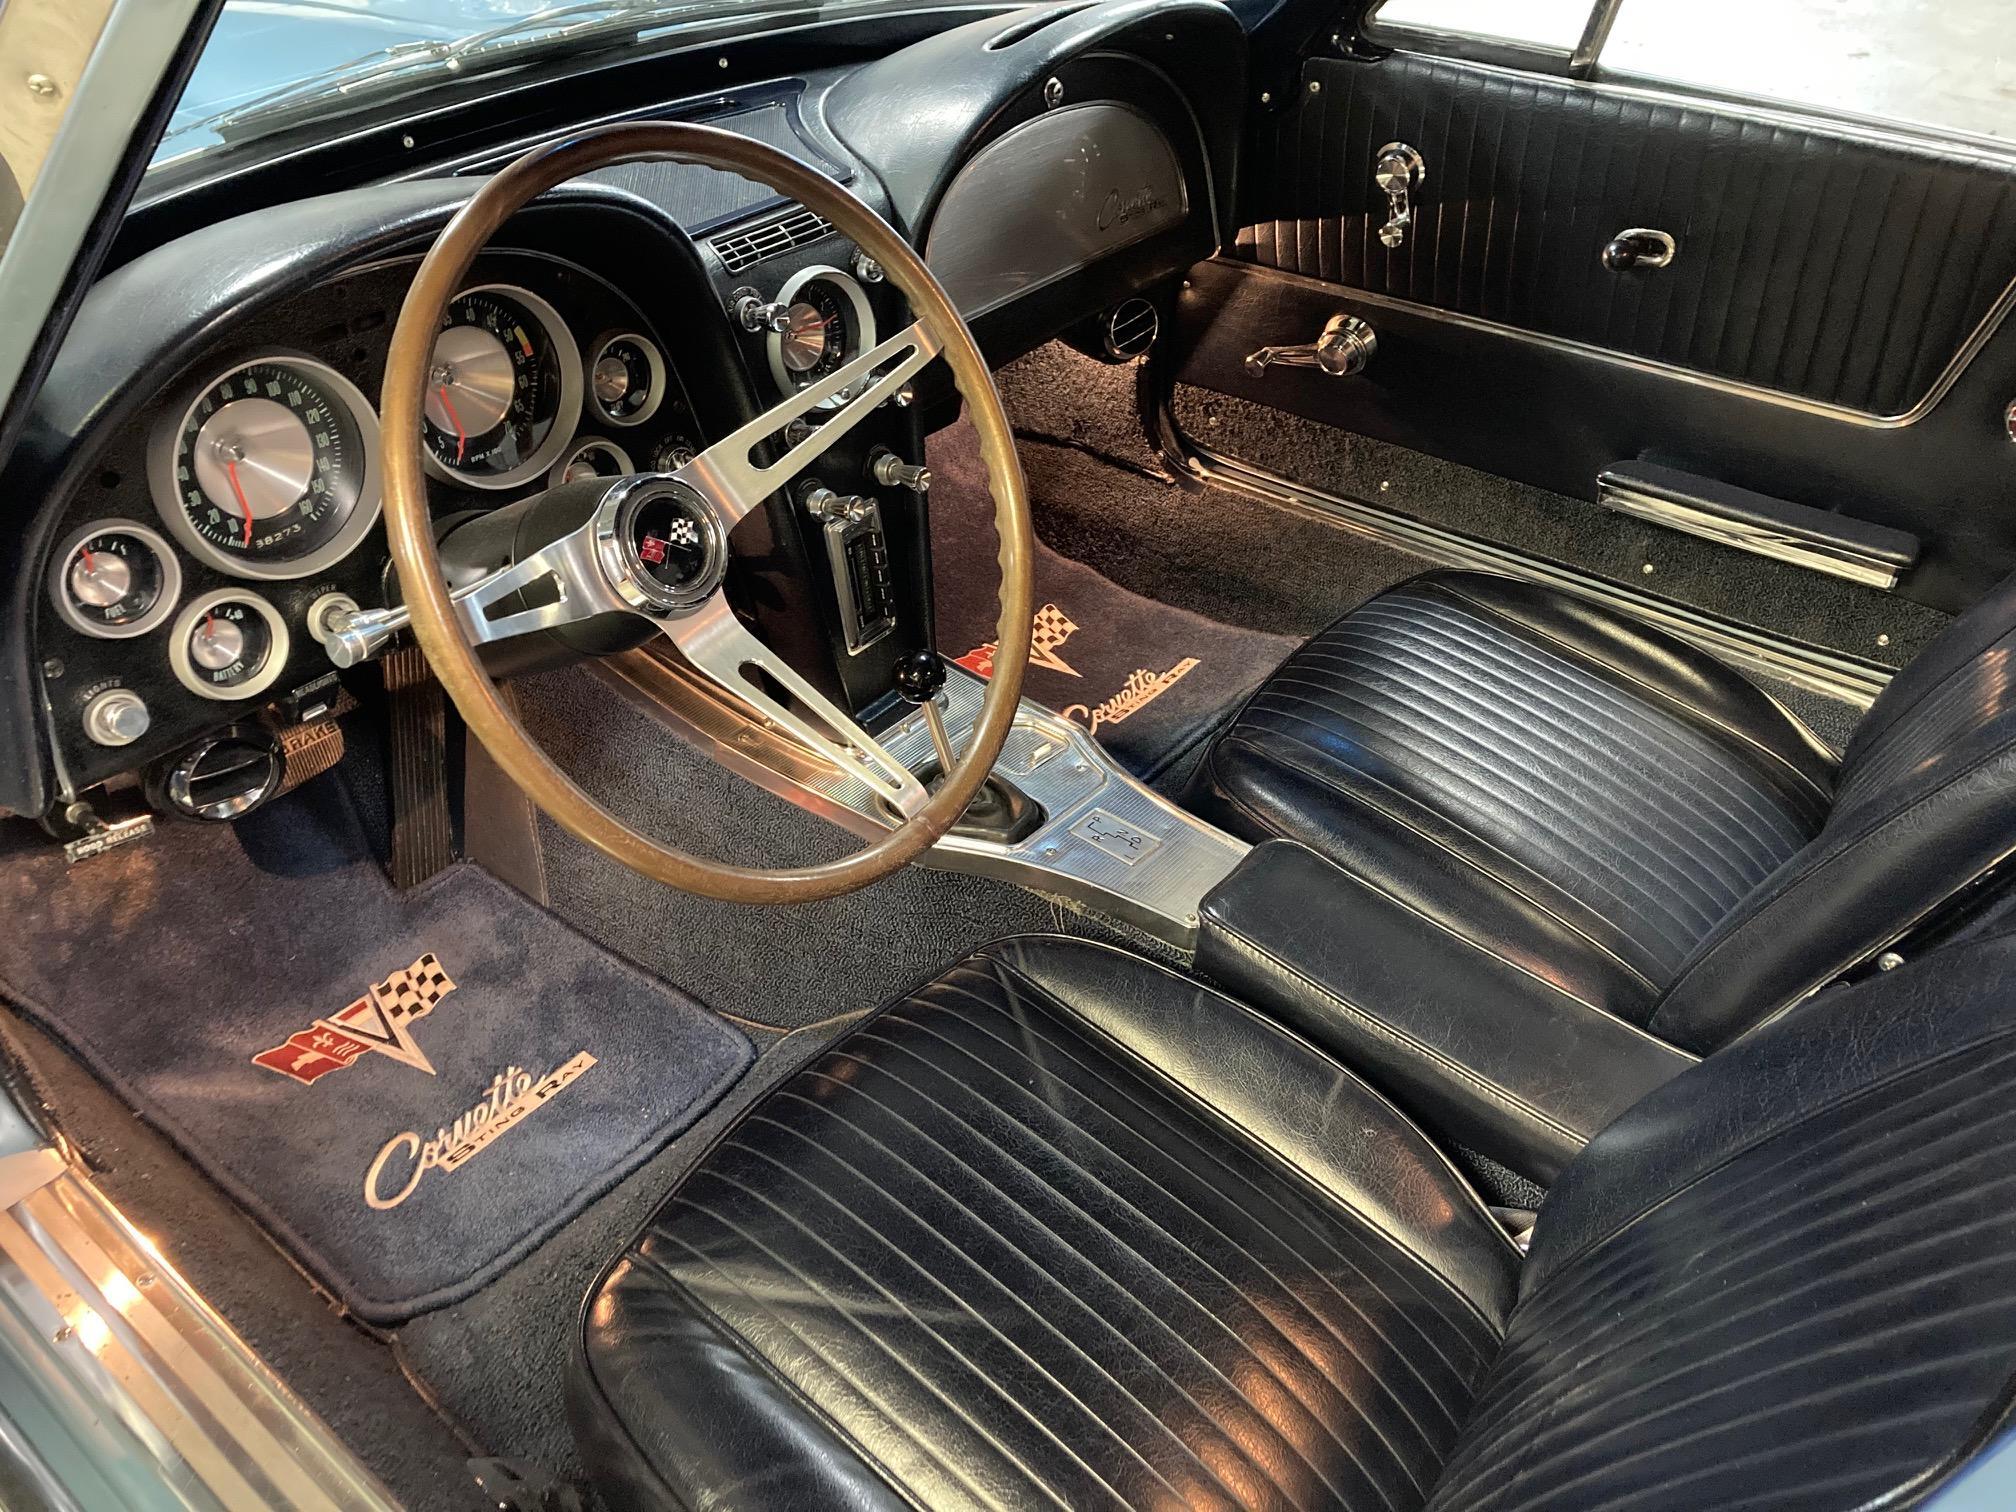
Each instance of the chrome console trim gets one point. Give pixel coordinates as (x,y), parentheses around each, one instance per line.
(1107,842)
(120,1386)
(1849,679)
(1840,560)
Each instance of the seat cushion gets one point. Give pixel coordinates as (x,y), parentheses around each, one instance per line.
(1062,1227)
(1489,747)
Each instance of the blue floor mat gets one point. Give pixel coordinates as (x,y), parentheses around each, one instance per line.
(410,1091)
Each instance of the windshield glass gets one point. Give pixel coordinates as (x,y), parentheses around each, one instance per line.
(279,63)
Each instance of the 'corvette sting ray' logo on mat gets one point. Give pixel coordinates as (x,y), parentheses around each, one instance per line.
(1050,629)
(381,1020)
(514,1095)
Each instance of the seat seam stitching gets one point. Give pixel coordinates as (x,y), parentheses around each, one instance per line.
(1274,1155)
(1511,861)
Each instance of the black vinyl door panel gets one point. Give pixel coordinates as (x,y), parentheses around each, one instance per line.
(1830,331)
(1844,270)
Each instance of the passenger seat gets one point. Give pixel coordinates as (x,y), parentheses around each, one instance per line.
(1569,788)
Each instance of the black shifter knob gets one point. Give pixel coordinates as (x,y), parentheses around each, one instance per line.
(919,675)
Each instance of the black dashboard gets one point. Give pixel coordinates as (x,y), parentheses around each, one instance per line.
(206,449)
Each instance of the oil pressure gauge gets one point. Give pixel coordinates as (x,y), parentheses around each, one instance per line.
(115,579)
(228,645)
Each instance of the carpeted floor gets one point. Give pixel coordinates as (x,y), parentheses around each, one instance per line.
(1103,497)
(1148,679)
(410,1091)
(780,967)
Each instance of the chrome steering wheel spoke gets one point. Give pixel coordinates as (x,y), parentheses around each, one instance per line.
(728,476)
(563,579)
(716,643)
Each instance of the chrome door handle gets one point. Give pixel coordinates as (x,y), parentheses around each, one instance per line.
(1400,171)
(1345,347)
(1640,247)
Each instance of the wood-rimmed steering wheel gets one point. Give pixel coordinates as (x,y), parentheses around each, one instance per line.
(656,545)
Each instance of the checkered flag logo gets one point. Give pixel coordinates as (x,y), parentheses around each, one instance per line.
(413,992)
(383,1018)
(1049,630)
(683,533)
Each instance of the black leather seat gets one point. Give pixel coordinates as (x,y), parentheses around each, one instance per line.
(1569,786)
(1064,1228)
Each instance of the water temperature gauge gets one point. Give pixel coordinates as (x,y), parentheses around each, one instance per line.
(228,645)
(115,579)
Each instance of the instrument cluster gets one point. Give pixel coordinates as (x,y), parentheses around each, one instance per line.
(245,506)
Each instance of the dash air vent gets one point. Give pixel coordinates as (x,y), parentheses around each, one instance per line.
(1131,328)
(747,247)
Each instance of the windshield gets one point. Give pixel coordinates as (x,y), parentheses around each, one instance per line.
(278,63)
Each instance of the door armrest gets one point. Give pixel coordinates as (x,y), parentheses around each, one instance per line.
(1466,1034)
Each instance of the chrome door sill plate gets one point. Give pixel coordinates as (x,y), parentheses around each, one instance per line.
(1107,841)
(119,1386)
(1760,540)
(1848,679)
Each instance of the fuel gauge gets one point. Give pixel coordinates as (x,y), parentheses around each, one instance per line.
(115,579)
(228,645)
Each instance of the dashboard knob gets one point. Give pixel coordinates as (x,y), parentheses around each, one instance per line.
(757,314)
(867,269)
(116,717)
(891,471)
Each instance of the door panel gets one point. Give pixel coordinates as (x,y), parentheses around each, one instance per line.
(1831,330)
(1842,270)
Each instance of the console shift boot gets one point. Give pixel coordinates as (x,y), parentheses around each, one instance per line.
(999,811)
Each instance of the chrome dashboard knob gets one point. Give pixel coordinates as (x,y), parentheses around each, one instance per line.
(758,314)
(891,471)
(116,717)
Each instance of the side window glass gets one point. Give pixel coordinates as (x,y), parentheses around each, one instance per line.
(1948,66)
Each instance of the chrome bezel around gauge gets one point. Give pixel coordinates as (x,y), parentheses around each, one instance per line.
(163,447)
(581,447)
(566,417)
(654,362)
(185,624)
(164,604)
(864,333)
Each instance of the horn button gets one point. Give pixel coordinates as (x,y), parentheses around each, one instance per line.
(664,544)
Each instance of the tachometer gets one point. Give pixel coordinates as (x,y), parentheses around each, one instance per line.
(830,323)
(272,469)
(503,394)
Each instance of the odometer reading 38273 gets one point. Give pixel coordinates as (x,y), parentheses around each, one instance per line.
(273,469)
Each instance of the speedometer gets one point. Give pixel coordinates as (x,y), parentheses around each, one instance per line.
(272,469)
(503,393)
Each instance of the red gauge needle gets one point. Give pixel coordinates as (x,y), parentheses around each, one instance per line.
(461,439)
(88,568)
(231,470)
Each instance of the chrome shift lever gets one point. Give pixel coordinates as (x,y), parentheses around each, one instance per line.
(920,676)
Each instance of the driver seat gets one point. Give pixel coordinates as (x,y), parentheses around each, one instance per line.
(1064,1227)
